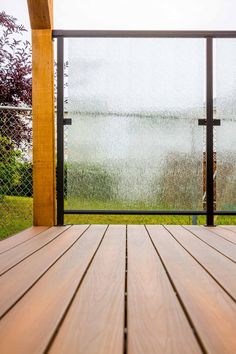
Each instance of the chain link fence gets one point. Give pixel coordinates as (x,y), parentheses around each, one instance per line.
(15,170)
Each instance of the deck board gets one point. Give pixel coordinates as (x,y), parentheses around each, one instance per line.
(219,266)
(32,268)
(211,310)
(17,254)
(219,243)
(226,234)
(228,227)
(97,311)
(108,289)
(44,305)
(156,320)
(21,237)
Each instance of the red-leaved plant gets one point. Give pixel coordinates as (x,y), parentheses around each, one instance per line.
(15,78)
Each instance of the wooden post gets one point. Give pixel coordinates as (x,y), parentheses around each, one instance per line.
(40,13)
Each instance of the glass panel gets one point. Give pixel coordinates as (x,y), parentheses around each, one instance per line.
(226,134)
(135,142)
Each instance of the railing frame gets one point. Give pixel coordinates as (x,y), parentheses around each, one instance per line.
(209,36)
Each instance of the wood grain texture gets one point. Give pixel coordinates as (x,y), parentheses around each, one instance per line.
(228,227)
(43,128)
(211,310)
(15,255)
(21,237)
(97,312)
(226,234)
(20,278)
(156,320)
(58,287)
(40,13)
(30,324)
(219,266)
(215,241)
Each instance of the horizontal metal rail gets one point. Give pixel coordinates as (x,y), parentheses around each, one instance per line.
(148,212)
(142,34)
(136,212)
(224,212)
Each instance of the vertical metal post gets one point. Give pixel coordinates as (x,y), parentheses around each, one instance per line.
(209,133)
(60,131)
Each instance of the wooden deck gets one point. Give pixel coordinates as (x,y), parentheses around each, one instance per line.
(119,289)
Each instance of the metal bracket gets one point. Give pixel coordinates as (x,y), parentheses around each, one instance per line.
(67,121)
(204,122)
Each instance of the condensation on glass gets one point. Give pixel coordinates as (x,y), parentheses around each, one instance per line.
(225,135)
(134,142)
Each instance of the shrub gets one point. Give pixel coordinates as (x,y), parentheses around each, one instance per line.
(90,181)
(24,187)
(9,174)
(15,173)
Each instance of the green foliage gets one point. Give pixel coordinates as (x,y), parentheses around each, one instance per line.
(24,187)
(9,174)
(179,185)
(87,181)
(15,173)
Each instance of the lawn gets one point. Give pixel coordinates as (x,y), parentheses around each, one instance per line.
(16,215)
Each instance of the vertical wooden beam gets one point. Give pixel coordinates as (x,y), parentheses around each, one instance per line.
(43,112)
(41,14)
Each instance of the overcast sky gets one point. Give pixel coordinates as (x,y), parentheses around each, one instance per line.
(135,14)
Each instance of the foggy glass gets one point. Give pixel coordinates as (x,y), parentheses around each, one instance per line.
(134,142)
(225,135)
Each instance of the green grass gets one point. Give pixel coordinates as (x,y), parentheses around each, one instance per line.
(145,219)
(122,219)
(16,215)
(131,219)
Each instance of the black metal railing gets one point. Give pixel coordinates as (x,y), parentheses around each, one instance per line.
(209,122)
